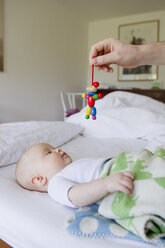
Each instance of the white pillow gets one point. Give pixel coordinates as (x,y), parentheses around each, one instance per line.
(122,115)
(127,99)
(16,137)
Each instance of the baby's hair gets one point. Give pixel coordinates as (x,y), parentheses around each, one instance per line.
(25,169)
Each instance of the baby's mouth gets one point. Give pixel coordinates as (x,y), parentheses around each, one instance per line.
(64,154)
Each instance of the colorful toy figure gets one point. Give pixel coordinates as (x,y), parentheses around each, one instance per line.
(92,96)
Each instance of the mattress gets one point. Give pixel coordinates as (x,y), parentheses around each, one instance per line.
(31,219)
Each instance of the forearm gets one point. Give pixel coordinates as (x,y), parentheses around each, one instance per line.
(87,193)
(152,54)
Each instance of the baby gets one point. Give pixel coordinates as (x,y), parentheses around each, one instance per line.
(47,169)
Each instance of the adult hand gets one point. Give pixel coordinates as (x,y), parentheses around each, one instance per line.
(111,51)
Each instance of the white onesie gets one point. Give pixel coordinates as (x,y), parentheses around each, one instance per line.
(80,171)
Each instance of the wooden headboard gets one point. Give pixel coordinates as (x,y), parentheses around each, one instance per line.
(157,94)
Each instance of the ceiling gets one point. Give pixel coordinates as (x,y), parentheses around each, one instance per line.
(92,10)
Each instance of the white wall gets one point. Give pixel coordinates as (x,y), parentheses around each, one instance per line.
(45,50)
(100,30)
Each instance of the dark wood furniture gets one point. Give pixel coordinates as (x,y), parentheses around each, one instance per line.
(157,94)
(4,245)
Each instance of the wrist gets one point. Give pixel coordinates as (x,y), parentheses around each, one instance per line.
(105,184)
(144,54)
(151,54)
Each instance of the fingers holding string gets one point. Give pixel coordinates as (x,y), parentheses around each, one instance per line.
(105,68)
(96,50)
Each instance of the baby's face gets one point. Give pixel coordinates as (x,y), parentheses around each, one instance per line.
(50,160)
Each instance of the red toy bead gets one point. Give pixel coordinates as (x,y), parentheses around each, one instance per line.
(96,84)
(91,101)
(100,95)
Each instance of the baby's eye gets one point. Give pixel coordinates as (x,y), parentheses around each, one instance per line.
(49,152)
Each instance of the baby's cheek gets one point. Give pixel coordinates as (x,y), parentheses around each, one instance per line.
(67,161)
(60,163)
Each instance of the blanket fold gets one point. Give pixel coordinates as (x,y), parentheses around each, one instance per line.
(87,223)
(142,212)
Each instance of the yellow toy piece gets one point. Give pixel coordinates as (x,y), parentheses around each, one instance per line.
(88,111)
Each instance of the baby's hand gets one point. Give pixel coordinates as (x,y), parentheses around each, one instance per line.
(122,181)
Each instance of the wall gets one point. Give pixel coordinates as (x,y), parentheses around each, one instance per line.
(42,57)
(100,30)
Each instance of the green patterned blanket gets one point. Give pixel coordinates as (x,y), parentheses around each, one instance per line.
(142,212)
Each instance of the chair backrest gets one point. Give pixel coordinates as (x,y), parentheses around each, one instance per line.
(72,100)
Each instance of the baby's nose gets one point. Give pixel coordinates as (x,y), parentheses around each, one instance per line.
(58,149)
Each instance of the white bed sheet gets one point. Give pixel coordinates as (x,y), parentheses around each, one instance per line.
(32,220)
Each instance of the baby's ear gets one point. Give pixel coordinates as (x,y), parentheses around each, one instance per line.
(38,180)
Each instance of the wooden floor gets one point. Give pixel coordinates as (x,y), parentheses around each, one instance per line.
(4,245)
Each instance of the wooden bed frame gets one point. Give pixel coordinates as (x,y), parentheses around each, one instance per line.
(157,94)
(4,245)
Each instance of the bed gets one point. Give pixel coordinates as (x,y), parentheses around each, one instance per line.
(32,219)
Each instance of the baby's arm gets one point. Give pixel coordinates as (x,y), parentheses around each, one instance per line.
(88,193)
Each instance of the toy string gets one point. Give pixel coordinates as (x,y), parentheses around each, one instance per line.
(92,73)
(93,69)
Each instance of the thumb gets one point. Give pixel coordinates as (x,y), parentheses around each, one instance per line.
(104,59)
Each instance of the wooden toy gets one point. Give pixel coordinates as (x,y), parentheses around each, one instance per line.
(92,96)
